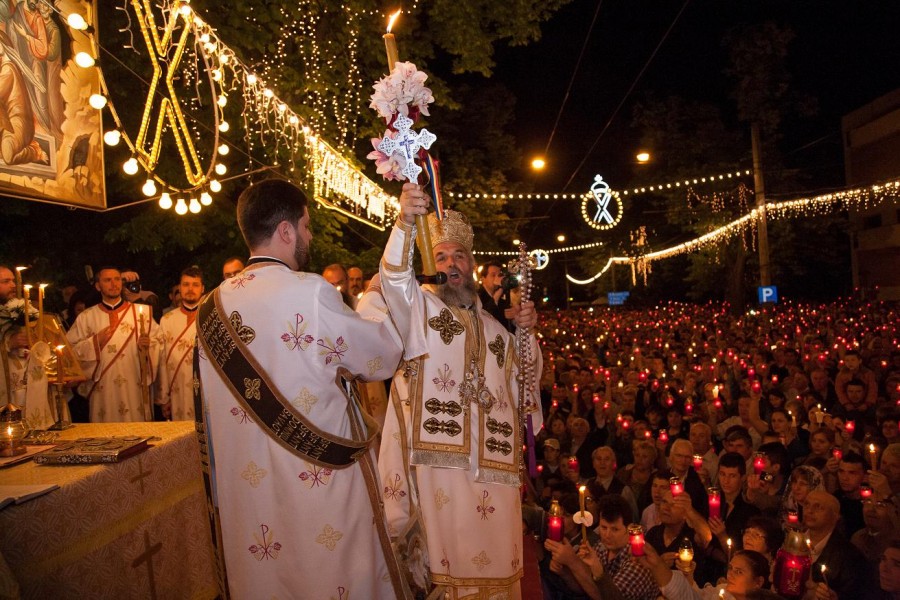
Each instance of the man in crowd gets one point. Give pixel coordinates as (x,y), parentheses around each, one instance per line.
(458,398)
(491,291)
(119,346)
(681,457)
(336,275)
(851,472)
(355,281)
(854,369)
(608,569)
(605,481)
(179,330)
(735,511)
(13,341)
(275,345)
(830,547)
(231,267)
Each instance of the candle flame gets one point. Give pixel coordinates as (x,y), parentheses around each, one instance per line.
(20,269)
(27,287)
(61,347)
(393,18)
(43,285)
(824,568)
(582,488)
(872,450)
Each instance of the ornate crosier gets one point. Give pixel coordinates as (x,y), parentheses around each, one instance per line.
(522,267)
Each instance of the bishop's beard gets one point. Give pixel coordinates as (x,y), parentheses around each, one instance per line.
(458,296)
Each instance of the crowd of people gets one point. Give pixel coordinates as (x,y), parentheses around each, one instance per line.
(786,415)
(727,437)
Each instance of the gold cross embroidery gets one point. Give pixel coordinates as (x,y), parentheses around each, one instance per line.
(446,325)
(251,388)
(498,349)
(245,333)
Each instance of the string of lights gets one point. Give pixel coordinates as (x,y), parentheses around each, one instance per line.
(552,251)
(862,198)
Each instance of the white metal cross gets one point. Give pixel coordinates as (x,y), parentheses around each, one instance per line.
(407,143)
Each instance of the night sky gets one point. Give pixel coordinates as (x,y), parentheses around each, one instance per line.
(845,54)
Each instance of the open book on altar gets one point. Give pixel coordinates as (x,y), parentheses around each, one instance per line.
(86,451)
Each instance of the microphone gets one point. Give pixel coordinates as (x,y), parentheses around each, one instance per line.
(439,278)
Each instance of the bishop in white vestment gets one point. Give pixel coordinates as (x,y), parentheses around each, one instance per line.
(450,452)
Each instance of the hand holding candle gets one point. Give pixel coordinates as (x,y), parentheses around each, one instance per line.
(759,463)
(715,503)
(636,539)
(873,456)
(676,486)
(697,462)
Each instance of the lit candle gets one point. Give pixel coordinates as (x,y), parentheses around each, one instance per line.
(759,463)
(824,578)
(850,427)
(729,543)
(792,517)
(390,43)
(715,503)
(40,326)
(675,486)
(663,436)
(636,539)
(573,464)
(581,490)
(873,456)
(140,311)
(865,491)
(685,553)
(19,289)
(596,399)
(698,462)
(60,372)
(27,296)
(837,453)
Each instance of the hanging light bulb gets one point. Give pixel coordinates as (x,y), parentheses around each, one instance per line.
(221,169)
(214,186)
(77,22)
(180,207)
(149,188)
(294,120)
(223,58)
(204,39)
(205,199)
(84,60)
(165,201)
(223,126)
(216,75)
(112,137)
(131,166)
(282,107)
(251,79)
(222,100)
(97,101)
(195,206)
(185,10)
(223,149)
(268,93)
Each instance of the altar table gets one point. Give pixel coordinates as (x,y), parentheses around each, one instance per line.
(135,529)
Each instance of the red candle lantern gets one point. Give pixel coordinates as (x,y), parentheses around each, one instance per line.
(540,468)
(759,463)
(755,386)
(636,539)
(837,453)
(663,436)
(689,408)
(555,522)
(715,503)
(850,427)
(792,566)
(865,491)
(698,462)
(596,398)
(793,518)
(573,464)
(675,486)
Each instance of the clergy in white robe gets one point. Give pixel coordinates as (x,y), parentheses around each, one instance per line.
(118,344)
(179,332)
(451,446)
(291,526)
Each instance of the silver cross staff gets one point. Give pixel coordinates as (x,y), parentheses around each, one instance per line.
(407,142)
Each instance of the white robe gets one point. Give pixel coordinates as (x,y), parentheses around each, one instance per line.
(176,372)
(28,386)
(113,372)
(471,511)
(292,529)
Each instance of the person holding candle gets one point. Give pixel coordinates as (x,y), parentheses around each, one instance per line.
(802,481)
(864,379)
(681,456)
(607,568)
(881,527)
(829,546)
(765,490)
(639,474)
(179,331)
(701,440)
(557,582)
(736,511)
(276,341)
(119,346)
(748,573)
(659,485)
(453,453)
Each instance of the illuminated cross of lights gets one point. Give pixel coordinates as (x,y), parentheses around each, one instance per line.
(408,143)
(169,109)
(600,191)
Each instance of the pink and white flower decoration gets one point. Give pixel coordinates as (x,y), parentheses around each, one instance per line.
(404,87)
(390,167)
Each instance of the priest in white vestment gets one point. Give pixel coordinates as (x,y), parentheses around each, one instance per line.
(291,526)
(119,345)
(450,451)
(179,332)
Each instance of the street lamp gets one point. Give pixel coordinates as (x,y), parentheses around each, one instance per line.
(538,164)
(643,157)
(516,242)
(561,238)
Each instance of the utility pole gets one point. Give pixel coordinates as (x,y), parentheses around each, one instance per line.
(762,241)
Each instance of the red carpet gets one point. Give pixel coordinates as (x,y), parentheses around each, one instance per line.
(531,581)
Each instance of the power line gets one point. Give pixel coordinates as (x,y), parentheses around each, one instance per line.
(627,94)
